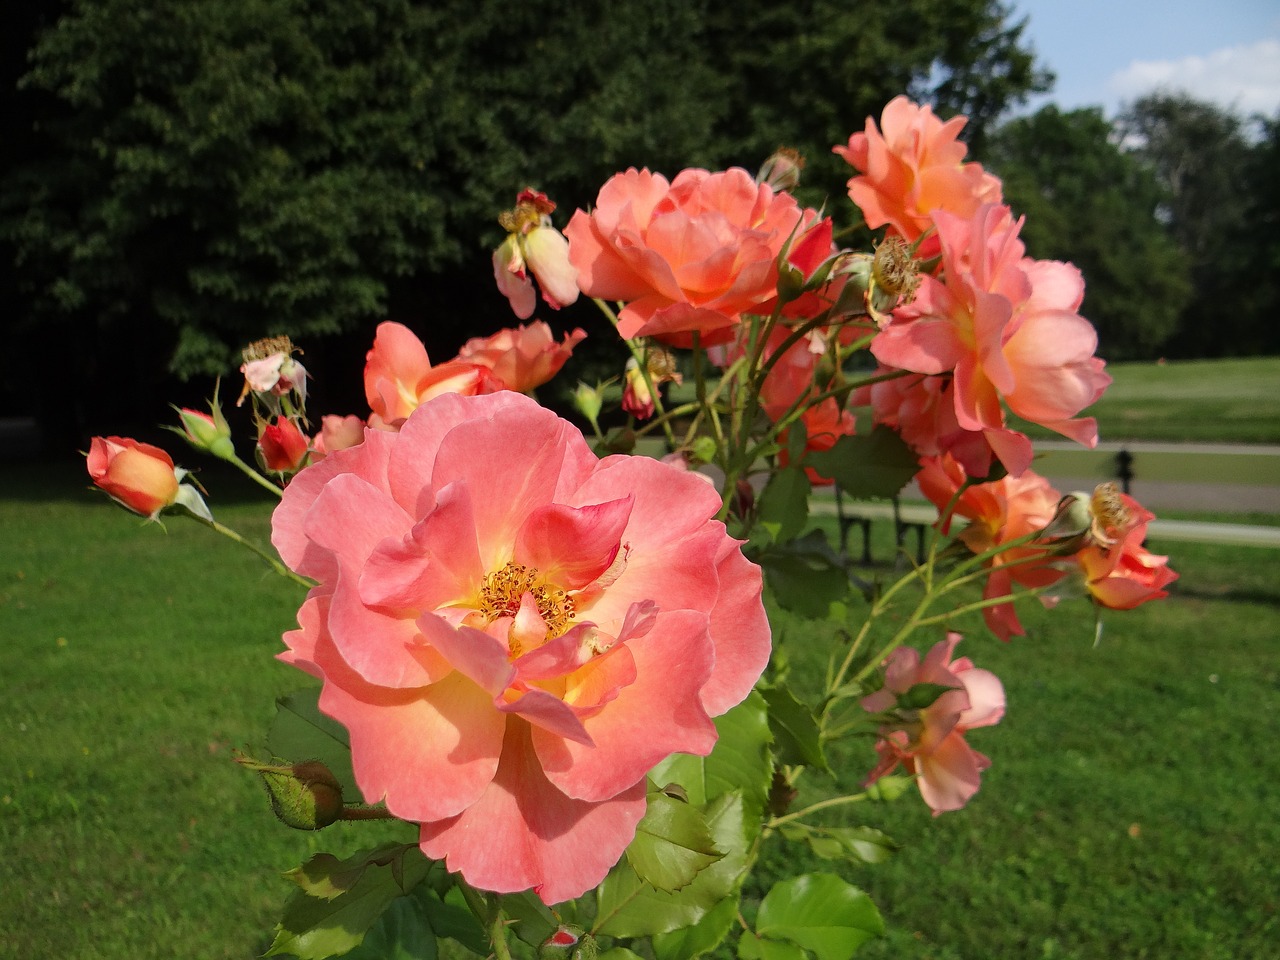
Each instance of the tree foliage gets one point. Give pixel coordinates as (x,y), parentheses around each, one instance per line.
(1218,183)
(1088,201)
(213,172)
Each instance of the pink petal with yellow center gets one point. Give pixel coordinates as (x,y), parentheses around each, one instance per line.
(520,460)
(572,546)
(475,654)
(524,833)
(436,563)
(658,714)
(549,715)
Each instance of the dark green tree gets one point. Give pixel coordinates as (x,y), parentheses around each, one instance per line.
(1089,202)
(210,173)
(1202,155)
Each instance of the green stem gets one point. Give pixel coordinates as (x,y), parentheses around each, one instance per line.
(254,475)
(815,807)
(275,564)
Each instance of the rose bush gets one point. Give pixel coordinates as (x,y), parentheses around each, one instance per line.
(514,631)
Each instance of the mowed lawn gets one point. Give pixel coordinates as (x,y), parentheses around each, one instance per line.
(1182,401)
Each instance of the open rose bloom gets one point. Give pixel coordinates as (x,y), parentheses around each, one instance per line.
(514,632)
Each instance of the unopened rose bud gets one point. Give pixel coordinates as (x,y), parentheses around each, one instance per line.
(305,796)
(589,400)
(141,478)
(888,789)
(210,433)
(282,447)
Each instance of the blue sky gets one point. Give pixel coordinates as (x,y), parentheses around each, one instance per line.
(1107,52)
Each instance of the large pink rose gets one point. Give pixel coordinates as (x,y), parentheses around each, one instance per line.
(690,255)
(515,632)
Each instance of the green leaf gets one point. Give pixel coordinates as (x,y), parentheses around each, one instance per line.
(314,928)
(325,876)
(403,932)
(875,465)
(805,574)
(451,918)
(856,844)
(706,934)
(740,760)
(820,912)
(626,906)
(796,739)
(785,503)
(751,947)
(301,732)
(672,844)
(531,920)
(619,953)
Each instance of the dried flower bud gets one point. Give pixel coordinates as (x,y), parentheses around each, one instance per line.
(782,170)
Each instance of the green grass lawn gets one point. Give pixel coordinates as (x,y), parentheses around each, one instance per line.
(1206,401)
(1129,812)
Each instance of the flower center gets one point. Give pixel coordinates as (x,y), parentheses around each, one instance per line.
(1111,517)
(504,589)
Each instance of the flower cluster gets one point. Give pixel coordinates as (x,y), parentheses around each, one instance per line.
(527,637)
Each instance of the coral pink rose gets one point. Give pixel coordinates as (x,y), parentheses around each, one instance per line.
(688,256)
(1124,574)
(398,376)
(1006,327)
(930,741)
(337,433)
(136,475)
(912,166)
(524,358)
(998,512)
(515,632)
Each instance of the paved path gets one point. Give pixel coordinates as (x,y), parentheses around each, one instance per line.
(1235,534)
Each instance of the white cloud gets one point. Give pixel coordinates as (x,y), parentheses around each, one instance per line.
(1244,78)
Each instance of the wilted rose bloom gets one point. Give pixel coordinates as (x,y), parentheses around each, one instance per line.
(337,433)
(524,358)
(515,632)
(637,398)
(998,512)
(911,166)
(398,376)
(1124,574)
(136,475)
(930,742)
(283,446)
(275,374)
(534,246)
(688,256)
